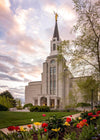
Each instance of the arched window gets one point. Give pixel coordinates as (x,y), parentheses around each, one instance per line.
(52,61)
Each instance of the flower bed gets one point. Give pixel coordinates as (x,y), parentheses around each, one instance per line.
(85,127)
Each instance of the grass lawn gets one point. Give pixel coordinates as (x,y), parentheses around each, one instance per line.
(20,118)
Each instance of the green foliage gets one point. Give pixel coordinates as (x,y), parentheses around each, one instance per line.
(87,86)
(55,123)
(27,105)
(43,137)
(83,105)
(22,135)
(6,101)
(8,96)
(98,107)
(73,98)
(88,118)
(87,132)
(39,109)
(3,136)
(3,108)
(18,102)
(98,126)
(87,40)
(71,136)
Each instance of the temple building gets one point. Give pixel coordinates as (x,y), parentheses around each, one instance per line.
(57,82)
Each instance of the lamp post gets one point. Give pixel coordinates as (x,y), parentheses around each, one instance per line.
(92,99)
(64,82)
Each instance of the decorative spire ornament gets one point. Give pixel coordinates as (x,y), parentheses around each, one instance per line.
(56,16)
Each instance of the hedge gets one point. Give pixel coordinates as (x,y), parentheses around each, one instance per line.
(3,108)
(39,109)
(29,105)
(83,105)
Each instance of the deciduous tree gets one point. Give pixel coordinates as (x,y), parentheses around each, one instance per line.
(83,53)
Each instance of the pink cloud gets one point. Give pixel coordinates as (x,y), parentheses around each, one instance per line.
(6,16)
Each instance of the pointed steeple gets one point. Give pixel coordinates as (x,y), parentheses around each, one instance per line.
(55,40)
(56,33)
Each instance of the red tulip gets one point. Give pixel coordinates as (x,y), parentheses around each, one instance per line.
(89,114)
(78,125)
(84,120)
(95,115)
(68,119)
(17,128)
(45,130)
(11,128)
(44,124)
(98,112)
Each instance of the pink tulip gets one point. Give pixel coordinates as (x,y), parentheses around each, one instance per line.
(43,115)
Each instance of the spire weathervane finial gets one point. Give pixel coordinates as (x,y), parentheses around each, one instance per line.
(56,16)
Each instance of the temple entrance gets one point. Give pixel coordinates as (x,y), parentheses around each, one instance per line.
(52,103)
(43,101)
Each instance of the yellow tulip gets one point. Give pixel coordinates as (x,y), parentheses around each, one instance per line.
(56,130)
(94,117)
(79,118)
(91,118)
(22,129)
(67,124)
(37,123)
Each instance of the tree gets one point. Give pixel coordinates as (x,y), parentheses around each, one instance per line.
(8,97)
(5,101)
(73,98)
(89,89)
(19,105)
(84,52)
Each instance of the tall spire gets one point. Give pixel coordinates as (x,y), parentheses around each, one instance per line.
(56,33)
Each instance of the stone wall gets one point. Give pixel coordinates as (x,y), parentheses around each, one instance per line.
(32,90)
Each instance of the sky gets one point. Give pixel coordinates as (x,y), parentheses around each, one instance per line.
(26,28)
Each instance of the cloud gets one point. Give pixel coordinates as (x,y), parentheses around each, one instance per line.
(7,59)
(18,93)
(7,77)
(6,17)
(26,28)
(64,10)
(4,68)
(21,71)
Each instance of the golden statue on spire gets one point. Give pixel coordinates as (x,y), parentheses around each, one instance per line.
(56,16)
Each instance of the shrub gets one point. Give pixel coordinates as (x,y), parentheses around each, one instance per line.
(91,117)
(83,105)
(39,109)
(55,126)
(87,133)
(3,108)
(70,136)
(19,107)
(98,107)
(28,106)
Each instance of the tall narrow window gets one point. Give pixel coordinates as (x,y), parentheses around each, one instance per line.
(52,80)
(54,47)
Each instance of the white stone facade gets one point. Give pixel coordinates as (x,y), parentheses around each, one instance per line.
(53,90)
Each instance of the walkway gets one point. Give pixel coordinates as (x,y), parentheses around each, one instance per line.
(5,130)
